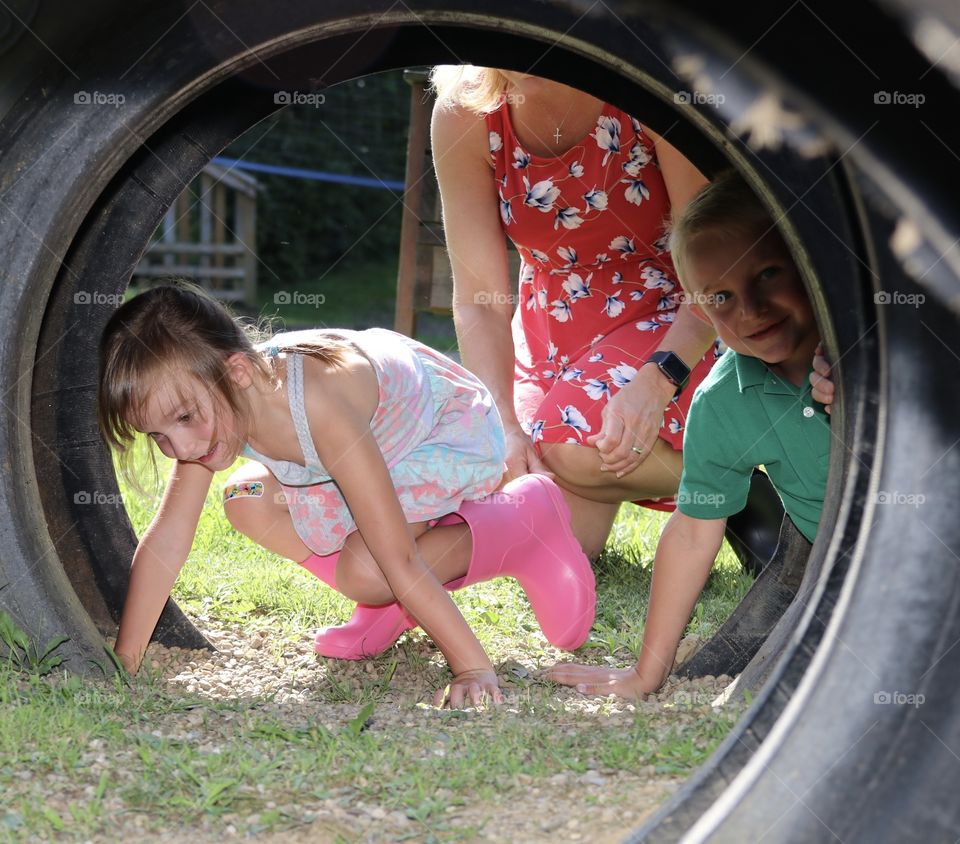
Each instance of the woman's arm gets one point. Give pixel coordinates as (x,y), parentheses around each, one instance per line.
(160,555)
(482,301)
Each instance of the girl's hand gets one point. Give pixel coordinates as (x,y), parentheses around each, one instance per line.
(599,680)
(632,418)
(522,457)
(823,387)
(470,688)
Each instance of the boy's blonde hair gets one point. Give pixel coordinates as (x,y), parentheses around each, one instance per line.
(478,89)
(725,206)
(175,334)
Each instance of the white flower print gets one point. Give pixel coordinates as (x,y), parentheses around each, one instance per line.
(572,441)
(576,170)
(639,158)
(577,287)
(667,316)
(622,374)
(506,211)
(568,217)
(637,192)
(526,273)
(636,295)
(675,426)
(624,245)
(596,339)
(542,195)
(568,254)
(571,373)
(520,158)
(536,430)
(537,255)
(607,136)
(614,306)
(548,373)
(496,142)
(569,415)
(616,278)
(637,128)
(551,351)
(601,259)
(648,325)
(660,244)
(596,357)
(597,389)
(666,303)
(532,301)
(561,310)
(596,199)
(542,297)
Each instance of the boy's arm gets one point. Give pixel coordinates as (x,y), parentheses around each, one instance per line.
(160,555)
(685,555)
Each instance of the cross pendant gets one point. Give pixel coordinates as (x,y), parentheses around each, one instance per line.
(556,135)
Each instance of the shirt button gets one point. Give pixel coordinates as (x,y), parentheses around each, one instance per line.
(808,412)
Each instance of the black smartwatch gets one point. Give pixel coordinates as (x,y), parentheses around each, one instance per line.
(673,368)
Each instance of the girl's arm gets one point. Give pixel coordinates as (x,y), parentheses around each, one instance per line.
(482,301)
(160,555)
(685,555)
(350,453)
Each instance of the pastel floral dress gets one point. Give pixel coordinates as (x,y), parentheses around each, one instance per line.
(597,285)
(436,425)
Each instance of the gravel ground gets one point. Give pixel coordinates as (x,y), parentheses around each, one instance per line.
(597,806)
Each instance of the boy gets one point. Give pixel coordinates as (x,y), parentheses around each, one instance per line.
(755,408)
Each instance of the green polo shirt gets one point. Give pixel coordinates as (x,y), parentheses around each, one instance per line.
(742,416)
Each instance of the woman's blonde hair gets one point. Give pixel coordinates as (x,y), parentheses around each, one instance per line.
(174,334)
(725,206)
(478,89)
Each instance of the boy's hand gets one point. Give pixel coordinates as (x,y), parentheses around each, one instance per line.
(599,680)
(823,387)
(470,688)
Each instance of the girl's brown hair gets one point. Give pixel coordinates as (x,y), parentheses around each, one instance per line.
(173,334)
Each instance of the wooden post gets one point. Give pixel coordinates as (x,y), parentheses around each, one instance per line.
(405,320)
(246,229)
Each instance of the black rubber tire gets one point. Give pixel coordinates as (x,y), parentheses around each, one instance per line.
(814,756)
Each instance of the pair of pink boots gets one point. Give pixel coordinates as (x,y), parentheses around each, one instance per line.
(522,531)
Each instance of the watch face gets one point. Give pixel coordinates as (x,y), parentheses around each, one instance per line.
(672,366)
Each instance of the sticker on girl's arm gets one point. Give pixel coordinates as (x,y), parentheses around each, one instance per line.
(252,489)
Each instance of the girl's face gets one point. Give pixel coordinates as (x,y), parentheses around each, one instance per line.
(190,425)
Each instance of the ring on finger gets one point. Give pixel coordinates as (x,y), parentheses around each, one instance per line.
(636,450)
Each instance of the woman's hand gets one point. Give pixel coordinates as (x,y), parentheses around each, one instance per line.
(470,688)
(823,387)
(522,457)
(632,419)
(599,680)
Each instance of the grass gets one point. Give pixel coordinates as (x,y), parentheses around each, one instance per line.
(83,756)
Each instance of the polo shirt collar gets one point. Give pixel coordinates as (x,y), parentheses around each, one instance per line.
(753,372)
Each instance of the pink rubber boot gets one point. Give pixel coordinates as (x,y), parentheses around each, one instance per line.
(522,531)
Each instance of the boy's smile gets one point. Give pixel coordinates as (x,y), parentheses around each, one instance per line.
(748,287)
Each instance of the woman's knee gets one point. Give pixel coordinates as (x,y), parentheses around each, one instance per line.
(578,465)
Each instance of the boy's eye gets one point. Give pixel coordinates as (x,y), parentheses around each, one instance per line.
(720,299)
(767,273)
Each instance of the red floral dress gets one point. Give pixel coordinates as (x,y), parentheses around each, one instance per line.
(597,285)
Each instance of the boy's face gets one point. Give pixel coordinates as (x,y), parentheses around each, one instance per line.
(748,287)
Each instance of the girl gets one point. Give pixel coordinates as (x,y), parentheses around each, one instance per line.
(375,457)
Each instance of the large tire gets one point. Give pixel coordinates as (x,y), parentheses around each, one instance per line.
(83,185)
